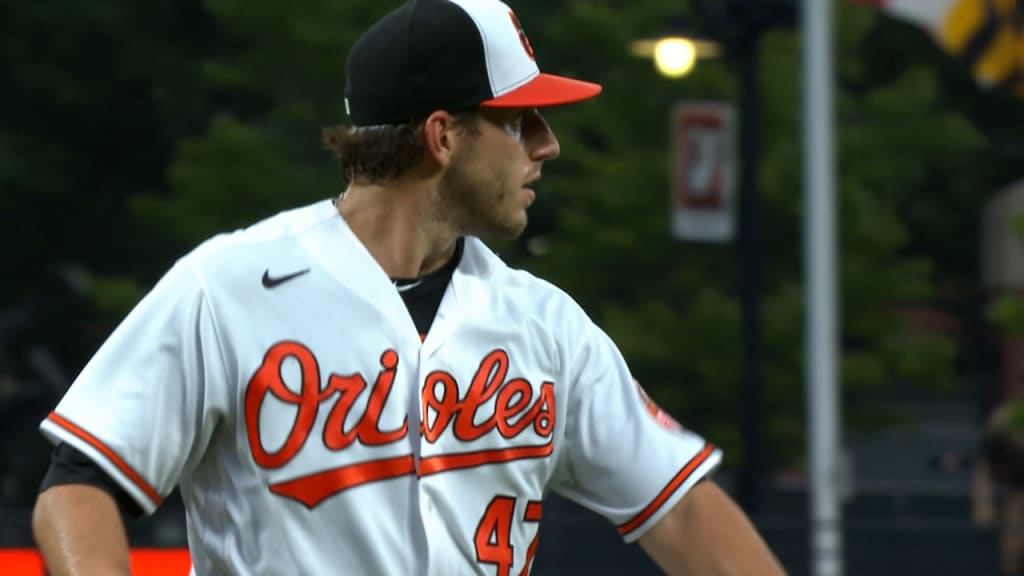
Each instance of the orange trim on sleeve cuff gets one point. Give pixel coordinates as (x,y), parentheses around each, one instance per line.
(96,443)
(667,492)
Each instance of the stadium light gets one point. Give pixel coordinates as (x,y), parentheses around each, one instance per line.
(674,56)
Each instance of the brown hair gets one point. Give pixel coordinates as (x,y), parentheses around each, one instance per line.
(381,154)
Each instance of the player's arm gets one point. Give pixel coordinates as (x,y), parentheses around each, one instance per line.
(706,534)
(157,386)
(79,531)
(78,519)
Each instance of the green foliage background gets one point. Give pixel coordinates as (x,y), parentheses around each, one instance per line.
(131,132)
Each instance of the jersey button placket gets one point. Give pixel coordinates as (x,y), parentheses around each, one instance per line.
(421,446)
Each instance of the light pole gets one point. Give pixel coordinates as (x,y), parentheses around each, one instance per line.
(751,252)
(822,317)
(739,25)
(751,19)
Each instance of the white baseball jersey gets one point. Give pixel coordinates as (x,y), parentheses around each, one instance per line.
(277,377)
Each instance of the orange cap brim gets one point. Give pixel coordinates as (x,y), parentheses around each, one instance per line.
(545,90)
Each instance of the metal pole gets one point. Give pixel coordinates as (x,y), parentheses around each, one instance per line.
(751,255)
(820,257)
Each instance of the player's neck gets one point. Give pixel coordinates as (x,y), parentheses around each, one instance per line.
(393,224)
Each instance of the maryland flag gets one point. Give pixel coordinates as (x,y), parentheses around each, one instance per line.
(986,35)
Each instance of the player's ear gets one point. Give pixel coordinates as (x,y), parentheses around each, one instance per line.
(441,134)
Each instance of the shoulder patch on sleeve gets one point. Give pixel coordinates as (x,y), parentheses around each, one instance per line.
(659,415)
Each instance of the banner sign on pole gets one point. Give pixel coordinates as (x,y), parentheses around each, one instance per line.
(703,182)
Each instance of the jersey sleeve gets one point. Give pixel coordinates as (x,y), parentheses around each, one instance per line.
(69,466)
(623,457)
(146,404)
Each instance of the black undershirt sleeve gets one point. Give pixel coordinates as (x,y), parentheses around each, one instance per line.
(70,466)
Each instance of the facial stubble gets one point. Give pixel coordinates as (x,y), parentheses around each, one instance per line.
(477,202)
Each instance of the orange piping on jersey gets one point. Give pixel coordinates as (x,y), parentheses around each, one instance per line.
(110,454)
(313,489)
(664,495)
(444,463)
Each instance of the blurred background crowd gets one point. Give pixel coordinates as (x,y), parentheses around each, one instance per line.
(130,131)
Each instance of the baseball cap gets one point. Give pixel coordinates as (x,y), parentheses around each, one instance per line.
(452,55)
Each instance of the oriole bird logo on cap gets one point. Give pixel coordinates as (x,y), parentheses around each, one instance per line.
(522,35)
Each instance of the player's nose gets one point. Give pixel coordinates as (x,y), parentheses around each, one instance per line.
(541,143)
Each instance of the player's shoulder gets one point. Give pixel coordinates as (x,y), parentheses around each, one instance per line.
(273,240)
(519,289)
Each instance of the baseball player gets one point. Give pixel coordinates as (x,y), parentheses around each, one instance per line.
(360,386)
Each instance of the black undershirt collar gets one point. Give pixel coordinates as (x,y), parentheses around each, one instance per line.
(422,296)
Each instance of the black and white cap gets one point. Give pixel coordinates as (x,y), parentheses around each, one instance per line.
(453,55)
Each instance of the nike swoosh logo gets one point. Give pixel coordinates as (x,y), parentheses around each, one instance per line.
(275,281)
(405,287)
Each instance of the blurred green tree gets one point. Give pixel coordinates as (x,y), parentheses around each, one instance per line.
(672,307)
(93,98)
(188,118)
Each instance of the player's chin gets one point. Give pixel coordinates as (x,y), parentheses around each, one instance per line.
(510,228)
